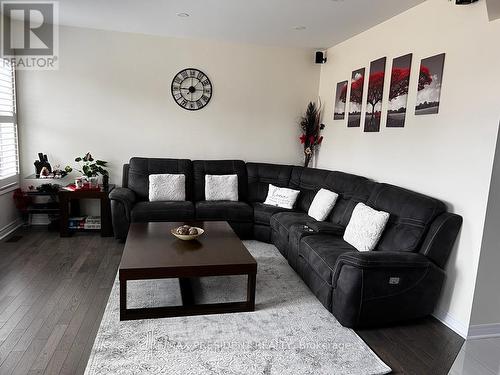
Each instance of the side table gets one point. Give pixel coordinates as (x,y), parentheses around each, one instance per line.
(65,198)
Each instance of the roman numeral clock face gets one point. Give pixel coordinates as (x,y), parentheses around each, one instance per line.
(191,89)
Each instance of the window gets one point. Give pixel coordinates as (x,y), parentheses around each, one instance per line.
(9,161)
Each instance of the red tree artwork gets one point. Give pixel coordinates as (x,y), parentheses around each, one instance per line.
(400,81)
(375,95)
(340,98)
(356,98)
(431,72)
(425,78)
(357,90)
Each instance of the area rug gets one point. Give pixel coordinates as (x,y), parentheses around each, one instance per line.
(289,333)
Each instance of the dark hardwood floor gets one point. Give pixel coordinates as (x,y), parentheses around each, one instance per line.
(423,347)
(53,292)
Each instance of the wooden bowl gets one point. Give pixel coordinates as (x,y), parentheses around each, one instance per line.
(187,237)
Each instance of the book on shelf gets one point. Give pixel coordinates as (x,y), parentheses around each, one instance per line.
(91,226)
(84,222)
(76,222)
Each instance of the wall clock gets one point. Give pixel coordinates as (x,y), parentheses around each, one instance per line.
(191,89)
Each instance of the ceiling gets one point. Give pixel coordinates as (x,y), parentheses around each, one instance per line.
(272,22)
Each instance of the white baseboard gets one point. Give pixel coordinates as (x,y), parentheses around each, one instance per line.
(483,331)
(452,323)
(9,228)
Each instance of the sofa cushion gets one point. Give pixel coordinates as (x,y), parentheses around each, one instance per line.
(167,187)
(351,189)
(221,187)
(219,167)
(365,227)
(260,175)
(281,197)
(263,212)
(144,212)
(140,168)
(411,215)
(224,210)
(321,251)
(322,204)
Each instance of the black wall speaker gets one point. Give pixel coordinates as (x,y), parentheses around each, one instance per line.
(465,2)
(320,57)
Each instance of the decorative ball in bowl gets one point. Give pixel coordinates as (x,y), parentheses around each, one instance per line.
(187,232)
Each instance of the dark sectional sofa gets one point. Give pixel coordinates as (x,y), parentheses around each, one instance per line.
(400,280)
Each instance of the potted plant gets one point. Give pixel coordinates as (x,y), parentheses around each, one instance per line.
(91,169)
(311,127)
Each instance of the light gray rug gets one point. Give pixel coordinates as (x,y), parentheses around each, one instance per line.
(289,333)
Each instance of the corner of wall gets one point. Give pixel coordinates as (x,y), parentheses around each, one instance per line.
(452,323)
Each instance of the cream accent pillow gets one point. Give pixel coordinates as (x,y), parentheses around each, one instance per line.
(167,187)
(365,227)
(221,187)
(322,204)
(281,197)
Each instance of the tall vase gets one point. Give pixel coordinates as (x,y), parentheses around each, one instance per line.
(307,156)
(94,182)
(307,160)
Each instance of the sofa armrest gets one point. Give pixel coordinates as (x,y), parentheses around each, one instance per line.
(372,260)
(380,287)
(125,196)
(122,201)
(441,237)
(322,227)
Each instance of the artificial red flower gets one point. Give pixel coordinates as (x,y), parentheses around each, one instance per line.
(303,138)
(320,140)
(311,139)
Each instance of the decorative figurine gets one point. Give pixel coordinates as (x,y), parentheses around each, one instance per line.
(43,162)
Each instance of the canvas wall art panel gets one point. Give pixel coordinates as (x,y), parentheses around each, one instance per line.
(429,85)
(398,91)
(340,101)
(375,95)
(356,98)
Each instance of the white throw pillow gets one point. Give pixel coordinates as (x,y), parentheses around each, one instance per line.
(221,187)
(322,204)
(167,187)
(365,227)
(281,197)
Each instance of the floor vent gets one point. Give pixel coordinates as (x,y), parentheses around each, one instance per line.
(14,239)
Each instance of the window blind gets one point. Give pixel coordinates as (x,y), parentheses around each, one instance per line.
(9,160)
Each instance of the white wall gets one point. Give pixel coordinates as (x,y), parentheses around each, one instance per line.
(448,156)
(111,96)
(9,217)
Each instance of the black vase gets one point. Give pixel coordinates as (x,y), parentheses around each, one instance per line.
(307,160)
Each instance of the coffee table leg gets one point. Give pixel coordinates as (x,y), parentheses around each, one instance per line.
(252,280)
(186,292)
(123,299)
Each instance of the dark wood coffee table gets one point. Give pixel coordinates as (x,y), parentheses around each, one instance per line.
(152,252)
